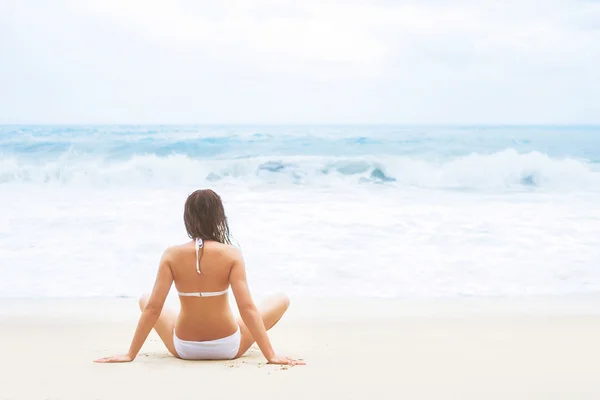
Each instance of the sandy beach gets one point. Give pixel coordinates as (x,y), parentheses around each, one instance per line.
(543,348)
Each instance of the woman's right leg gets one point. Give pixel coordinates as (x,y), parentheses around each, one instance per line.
(271,311)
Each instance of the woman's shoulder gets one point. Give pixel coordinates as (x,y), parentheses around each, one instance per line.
(173,251)
(224,249)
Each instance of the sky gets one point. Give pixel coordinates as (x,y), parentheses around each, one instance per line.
(300,62)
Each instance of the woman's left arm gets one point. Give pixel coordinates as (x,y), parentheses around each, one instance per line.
(150,314)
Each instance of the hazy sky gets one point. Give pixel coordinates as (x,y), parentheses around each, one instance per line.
(259,61)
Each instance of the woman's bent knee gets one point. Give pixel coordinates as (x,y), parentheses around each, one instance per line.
(284,299)
(143,301)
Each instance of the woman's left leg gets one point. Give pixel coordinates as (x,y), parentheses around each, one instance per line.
(165,324)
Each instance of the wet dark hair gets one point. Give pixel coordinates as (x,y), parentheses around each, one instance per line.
(204,217)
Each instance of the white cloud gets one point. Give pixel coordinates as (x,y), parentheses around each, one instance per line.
(311,61)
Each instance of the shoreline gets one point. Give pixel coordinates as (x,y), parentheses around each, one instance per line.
(517,348)
(568,304)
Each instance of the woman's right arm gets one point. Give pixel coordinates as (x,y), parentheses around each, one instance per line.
(250,314)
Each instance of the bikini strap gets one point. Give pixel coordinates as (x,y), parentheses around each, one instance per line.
(199,245)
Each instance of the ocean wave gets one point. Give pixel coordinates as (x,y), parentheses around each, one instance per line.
(502,170)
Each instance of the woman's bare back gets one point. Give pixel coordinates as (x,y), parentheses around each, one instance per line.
(203,318)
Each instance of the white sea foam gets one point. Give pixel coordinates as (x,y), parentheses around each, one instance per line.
(68,241)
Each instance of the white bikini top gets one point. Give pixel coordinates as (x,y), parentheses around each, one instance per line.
(199,245)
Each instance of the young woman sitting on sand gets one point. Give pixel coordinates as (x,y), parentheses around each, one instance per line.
(203,270)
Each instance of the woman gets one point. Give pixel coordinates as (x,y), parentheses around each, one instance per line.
(203,270)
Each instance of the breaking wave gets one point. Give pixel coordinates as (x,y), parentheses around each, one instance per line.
(507,169)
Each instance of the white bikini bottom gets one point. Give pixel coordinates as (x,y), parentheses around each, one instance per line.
(220,349)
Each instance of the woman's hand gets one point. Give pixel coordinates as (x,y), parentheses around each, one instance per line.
(285,361)
(115,359)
